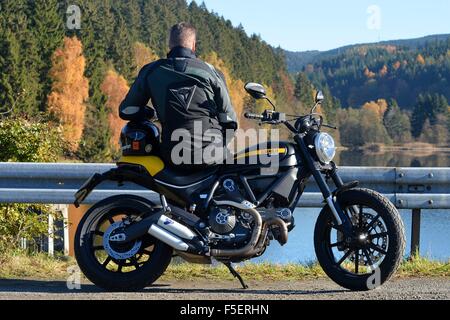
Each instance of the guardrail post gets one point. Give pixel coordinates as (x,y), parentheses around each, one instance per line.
(415,232)
(51,236)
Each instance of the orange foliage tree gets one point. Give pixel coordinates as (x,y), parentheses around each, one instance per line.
(369,74)
(383,71)
(420,59)
(70,90)
(115,88)
(143,55)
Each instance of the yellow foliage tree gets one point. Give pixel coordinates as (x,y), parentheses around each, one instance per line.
(379,107)
(115,88)
(143,55)
(235,86)
(70,90)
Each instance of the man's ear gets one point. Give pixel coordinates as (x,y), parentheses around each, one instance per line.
(194,46)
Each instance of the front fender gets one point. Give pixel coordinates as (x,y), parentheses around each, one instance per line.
(124,172)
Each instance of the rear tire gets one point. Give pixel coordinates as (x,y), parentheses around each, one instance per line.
(363,253)
(87,234)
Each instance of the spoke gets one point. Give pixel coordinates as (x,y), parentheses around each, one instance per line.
(370,225)
(360,216)
(344,257)
(107,261)
(134,262)
(378,235)
(336,244)
(376,248)
(366,254)
(356,261)
(120,266)
(147,252)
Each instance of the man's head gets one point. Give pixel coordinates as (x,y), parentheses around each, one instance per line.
(183,34)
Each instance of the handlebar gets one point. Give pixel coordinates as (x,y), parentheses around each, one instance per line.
(254,116)
(274,117)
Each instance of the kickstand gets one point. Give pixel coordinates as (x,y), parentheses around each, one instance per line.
(236,274)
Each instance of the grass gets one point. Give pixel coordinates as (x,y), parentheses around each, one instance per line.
(40,266)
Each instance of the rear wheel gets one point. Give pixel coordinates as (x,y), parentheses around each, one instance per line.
(119,267)
(373,253)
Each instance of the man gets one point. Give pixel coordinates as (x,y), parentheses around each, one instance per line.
(187,94)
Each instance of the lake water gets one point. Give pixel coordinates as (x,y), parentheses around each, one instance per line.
(435,224)
(413,158)
(434,241)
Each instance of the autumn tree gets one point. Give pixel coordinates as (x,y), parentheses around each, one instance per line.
(143,55)
(235,86)
(379,107)
(70,90)
(115,88)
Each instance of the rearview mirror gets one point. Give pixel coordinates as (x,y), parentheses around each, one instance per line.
(319,97)
(256,90)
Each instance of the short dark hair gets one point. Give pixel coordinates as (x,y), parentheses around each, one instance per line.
(181,35)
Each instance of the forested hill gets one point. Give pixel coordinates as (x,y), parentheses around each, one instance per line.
(296,61)
(400,69)
(43,61)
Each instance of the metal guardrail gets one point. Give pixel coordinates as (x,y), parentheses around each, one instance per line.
(407,188)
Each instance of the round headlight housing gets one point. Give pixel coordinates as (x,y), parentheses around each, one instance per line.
(325,147)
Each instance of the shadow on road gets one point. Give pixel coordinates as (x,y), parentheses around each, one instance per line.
(41,286)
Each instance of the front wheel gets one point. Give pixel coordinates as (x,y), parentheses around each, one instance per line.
(373,253)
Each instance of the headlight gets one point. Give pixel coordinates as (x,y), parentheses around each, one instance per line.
(325,147)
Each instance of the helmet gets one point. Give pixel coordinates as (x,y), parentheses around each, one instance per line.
(140,139)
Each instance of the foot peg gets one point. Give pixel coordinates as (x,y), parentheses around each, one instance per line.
(236,275)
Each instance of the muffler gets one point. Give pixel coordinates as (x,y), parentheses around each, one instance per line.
(168,238)
(162,228)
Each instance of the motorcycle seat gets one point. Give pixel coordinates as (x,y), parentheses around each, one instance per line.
(178,178)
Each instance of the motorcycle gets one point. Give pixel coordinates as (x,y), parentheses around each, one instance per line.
(231,213)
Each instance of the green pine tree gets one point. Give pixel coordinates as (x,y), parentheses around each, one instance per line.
(303,90)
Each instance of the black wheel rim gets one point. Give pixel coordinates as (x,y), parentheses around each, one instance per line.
(100,254)
(367,248)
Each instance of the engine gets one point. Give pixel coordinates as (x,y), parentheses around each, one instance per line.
(231,227)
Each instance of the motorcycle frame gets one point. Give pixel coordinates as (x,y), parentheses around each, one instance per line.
(308,167)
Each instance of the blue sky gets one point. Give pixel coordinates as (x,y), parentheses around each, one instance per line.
(321,25)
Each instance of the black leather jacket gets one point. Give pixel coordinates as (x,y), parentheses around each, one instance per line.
(183,89)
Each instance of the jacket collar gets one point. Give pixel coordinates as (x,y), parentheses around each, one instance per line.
(181,52)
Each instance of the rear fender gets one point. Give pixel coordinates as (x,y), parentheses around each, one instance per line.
(124,172)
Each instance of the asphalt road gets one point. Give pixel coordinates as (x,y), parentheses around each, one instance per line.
(415,289)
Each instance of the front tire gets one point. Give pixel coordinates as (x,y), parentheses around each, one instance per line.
(127,268)
(373,255)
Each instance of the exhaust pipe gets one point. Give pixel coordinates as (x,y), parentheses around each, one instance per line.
(170,232)
(162,228)
(175,227)
(168,238)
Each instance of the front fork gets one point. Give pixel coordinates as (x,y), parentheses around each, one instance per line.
(340,218)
